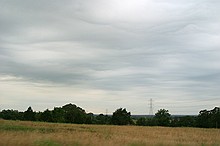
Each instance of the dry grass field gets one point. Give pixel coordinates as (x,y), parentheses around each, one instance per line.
(20,133)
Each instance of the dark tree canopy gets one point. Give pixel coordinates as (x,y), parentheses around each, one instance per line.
(121,117)
(46,116)
(102,119)
(58,115)
(70,113)
(141,121)
(162,117)
(209,119)
(74,114)
(11,115)
(29,115)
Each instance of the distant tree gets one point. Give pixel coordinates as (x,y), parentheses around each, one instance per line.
(215,117)
(29,114)
(102,119)
(162,117)
(203,119)
(46,116)
(121,117)
(74,114)
(11,115)
(58,115)
(38,116)
(185,121)
(89,118)
(209,119)
(141,121)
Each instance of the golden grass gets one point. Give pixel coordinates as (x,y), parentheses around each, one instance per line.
(21,133)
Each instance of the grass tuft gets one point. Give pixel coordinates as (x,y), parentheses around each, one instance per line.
(46,143)
(15,128)
(137,144)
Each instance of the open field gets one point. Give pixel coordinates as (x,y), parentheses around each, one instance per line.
(20,133)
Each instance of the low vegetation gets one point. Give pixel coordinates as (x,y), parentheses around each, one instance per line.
(21,133)
(70,113)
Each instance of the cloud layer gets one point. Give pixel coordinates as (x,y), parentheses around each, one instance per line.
(110,54)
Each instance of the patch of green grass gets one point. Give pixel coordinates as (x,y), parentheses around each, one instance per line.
(180,145)
(46,143)
(137,144)
(15,128)
(10,127)
(76,144)
(159,144)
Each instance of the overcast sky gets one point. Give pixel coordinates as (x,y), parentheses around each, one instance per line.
(107,54)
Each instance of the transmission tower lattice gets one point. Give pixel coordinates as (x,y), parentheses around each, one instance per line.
(151,107)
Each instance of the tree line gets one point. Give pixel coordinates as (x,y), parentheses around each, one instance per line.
(70,113)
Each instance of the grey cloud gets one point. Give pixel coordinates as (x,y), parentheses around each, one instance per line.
(115,46)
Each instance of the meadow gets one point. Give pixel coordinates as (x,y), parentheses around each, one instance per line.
(23,133)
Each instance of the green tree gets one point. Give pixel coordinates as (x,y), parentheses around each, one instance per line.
(74,114)
(89,118)
(46,116)
(58,115)
(11,115)
(215,117)
(184,121)
(141,121)
(102,119)
(121,117)
(162,117)
(209,119)
(29,114)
